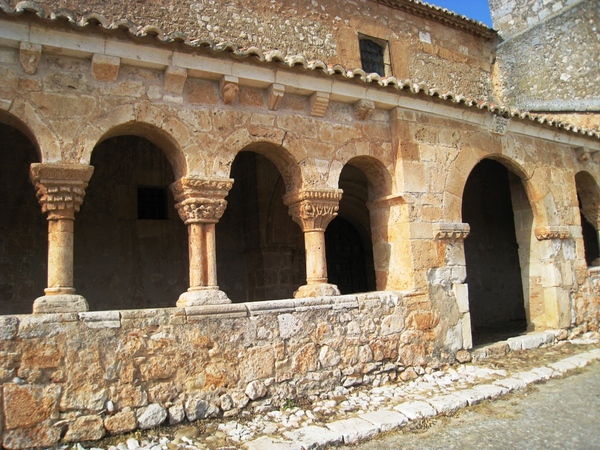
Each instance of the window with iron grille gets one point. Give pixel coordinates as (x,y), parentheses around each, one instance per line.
(152,203)
(374,55)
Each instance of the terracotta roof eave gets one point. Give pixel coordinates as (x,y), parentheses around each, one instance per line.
(156,36)
(442,15)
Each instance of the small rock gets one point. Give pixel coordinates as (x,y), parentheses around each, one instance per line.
(151,416)
(256,389)
(463,356)
(176,414)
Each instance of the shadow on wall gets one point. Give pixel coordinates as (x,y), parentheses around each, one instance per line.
(23,227)
(494,276)
(130,244)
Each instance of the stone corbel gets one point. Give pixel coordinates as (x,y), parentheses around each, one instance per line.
(276,92)
(454,231)
(229,89)
(319,102)
(552,232)
(499,125)
(582,154)
(29,56)
(175,78)
(363,109)
(105,68)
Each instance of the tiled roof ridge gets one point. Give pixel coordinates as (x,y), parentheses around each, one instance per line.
(444,15)
(273,56)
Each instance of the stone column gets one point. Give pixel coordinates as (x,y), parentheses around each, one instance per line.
(313,210)
(201,203)
(60,190)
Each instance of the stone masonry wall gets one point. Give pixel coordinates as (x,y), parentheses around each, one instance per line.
(513,16)
(531,74)
(84,376)
(422,50)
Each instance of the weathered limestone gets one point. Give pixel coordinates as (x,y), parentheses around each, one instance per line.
(313,210)
(60,190)
(201,203)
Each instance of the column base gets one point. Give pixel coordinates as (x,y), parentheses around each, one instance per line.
(317,290)
(60,303)
(203,296)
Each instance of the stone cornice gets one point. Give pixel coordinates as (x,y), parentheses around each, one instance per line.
(149,47)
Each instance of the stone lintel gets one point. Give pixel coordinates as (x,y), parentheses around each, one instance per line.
(105,68)
(276,92)
(319,102)
(29,56)
(229,87)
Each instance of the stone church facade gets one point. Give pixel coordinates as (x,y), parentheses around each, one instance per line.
(210,207)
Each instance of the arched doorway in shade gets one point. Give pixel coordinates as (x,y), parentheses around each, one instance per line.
(496,296)
(348,242)
(131,246)
(588,196)
(260,249)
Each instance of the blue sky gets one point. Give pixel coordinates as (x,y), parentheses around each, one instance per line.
(473,9)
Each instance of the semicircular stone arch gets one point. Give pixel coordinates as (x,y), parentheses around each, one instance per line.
(285,161)
(159,137)
(539,196)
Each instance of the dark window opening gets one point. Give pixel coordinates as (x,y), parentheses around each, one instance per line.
(372,56)
(152,203)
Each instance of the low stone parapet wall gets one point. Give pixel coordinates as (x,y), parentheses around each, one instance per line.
(78,377)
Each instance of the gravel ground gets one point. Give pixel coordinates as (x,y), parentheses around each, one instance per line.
(559,414)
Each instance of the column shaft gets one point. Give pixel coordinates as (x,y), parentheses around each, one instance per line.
(60,257)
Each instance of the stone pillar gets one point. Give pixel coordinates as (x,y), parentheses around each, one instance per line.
(313,210)
(201,203)
(60,190)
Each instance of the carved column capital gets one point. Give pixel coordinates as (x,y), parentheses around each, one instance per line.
(201,200)
(60,188)
(313,209)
